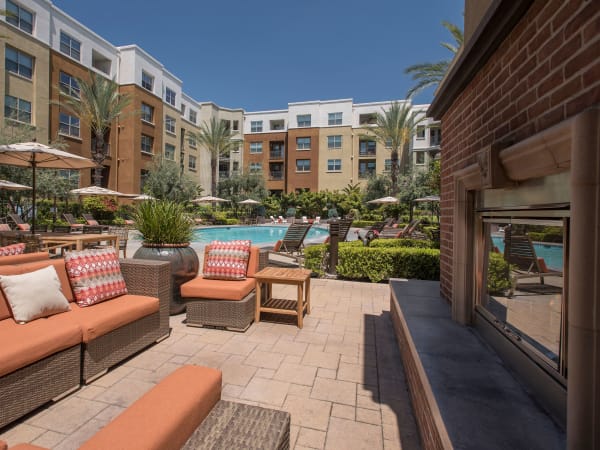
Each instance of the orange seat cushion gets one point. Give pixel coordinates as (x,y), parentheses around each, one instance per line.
(166,416)
(28,343)
(102,318)
(217,289)
(24,258)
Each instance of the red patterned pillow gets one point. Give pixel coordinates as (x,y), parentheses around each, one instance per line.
(227,260)
(95,275)
(13,249)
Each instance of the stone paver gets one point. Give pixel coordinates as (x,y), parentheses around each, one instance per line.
(336,376)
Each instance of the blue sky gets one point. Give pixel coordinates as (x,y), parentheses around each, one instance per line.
(262,54)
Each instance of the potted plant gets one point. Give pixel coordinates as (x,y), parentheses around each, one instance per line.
(166,230)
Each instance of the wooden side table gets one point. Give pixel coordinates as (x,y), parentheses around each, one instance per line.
(277,275)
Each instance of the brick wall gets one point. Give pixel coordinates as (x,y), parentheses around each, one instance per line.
(545,71)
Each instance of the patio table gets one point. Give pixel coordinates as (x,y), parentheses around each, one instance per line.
(79,239)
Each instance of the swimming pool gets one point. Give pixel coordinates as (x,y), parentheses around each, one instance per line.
(552,253)
(257,234)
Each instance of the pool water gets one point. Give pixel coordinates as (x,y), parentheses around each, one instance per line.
(552,253)
(257,234)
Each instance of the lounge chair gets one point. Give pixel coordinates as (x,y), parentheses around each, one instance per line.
(292,244)
(345,225)
(398,233)
(75,226)
(123,234)
(371,232)
(519,252)
(91,221)
(19,223)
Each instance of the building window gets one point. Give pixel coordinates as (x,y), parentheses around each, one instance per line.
(192,162)
(255,167)
(19,17)
(235,147)
(334,118)
(68,85)
(147,144)
(303,120)
(255,147)
(170,96)
(419,158)
(256,126)
(235,166)
(170,152)
(193,116)
(366,168)
(147,113)
(277,125)
(303,165)
(367,148)
(236,125)
(334,165)
(18,62)
(388,143)
(334,141)
(147,81)
(17,109)
(192,140)
(69,125)
(170,124)
(367,119)
(387,165)
(435,136)
(420,132)
(227,124)
(303,143)
(70,46)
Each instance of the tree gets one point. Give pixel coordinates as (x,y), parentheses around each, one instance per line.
(216,136)
(166,182)
(430,74)
(394,129)
(98,105)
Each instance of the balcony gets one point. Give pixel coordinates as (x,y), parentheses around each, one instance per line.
(367,152)
(223,175)
(276,154)
(276,175)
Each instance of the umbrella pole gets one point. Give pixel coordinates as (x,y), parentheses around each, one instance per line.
(33,164)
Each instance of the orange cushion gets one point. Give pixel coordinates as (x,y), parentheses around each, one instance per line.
(4,227)
(23,258)
(166,416)
(92,222)
(24,226)
(33,341)
(253,261)
(277,245)
(102,318)
(201,287)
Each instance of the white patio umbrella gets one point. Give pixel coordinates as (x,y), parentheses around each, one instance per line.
(429,198)
(209,199)
(96,190)
(249,201)
(10,186)
(384,200)
(34,155)
(143,197)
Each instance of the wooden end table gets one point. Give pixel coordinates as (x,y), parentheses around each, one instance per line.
(278,275)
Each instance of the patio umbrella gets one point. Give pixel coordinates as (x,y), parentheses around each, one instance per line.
(429,198)
(384,200)
(10,186)
(96,190)
(208,199)
(34,155)
(249,201)
(143,197)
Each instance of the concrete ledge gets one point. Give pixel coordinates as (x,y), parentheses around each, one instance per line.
(463,395)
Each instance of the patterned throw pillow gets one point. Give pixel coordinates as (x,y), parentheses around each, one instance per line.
(95,275)
(227,260)
(13,249)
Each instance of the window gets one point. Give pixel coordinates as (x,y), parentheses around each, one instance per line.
(387,166)
(147,113)
(366,168)
(170,152)
(435,136)
(276,149)
(334,118)
(277,125)
(147,81)
(255,167)
(183,109)
(18,62)
(147,144)
(420,158)
(192,140)
(226,124)
(303,120)
(235,147)
(68,85)
(388,143)
(334,165)
(101,62)
(303,143)
(19,17)
(420,132)
(170,96)
(170,124)
(367,119)
(70,46)
(303,165)
(255,147)
(334,141)
(68,125)
(236,166)
(256,126)
(193,116)
(236,125)
(17,109)
(367,148)
(192,162)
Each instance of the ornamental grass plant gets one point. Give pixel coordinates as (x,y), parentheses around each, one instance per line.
(163,222)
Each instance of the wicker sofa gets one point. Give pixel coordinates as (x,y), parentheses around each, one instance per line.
(49,357)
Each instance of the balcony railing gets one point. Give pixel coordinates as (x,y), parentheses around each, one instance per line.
(366,174)
(367,152)
(276,154)
(223,175)
(276,175)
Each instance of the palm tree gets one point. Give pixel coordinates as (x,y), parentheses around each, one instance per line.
(395,128)
(98,105)
(430,74)
(216,137)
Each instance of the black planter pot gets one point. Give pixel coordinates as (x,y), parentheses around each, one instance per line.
(184,266)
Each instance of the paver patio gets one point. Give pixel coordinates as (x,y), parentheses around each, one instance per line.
(340,377)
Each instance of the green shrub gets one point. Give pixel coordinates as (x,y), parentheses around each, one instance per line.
(313,257)
(232,221)
(362,223)
(404,242)
(498,279)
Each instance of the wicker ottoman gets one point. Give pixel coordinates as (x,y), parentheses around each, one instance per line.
(232,315)
(233,425)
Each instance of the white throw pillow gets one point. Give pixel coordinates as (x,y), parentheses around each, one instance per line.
(34,294)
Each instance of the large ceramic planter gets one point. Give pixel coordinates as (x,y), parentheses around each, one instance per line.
(184,266)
